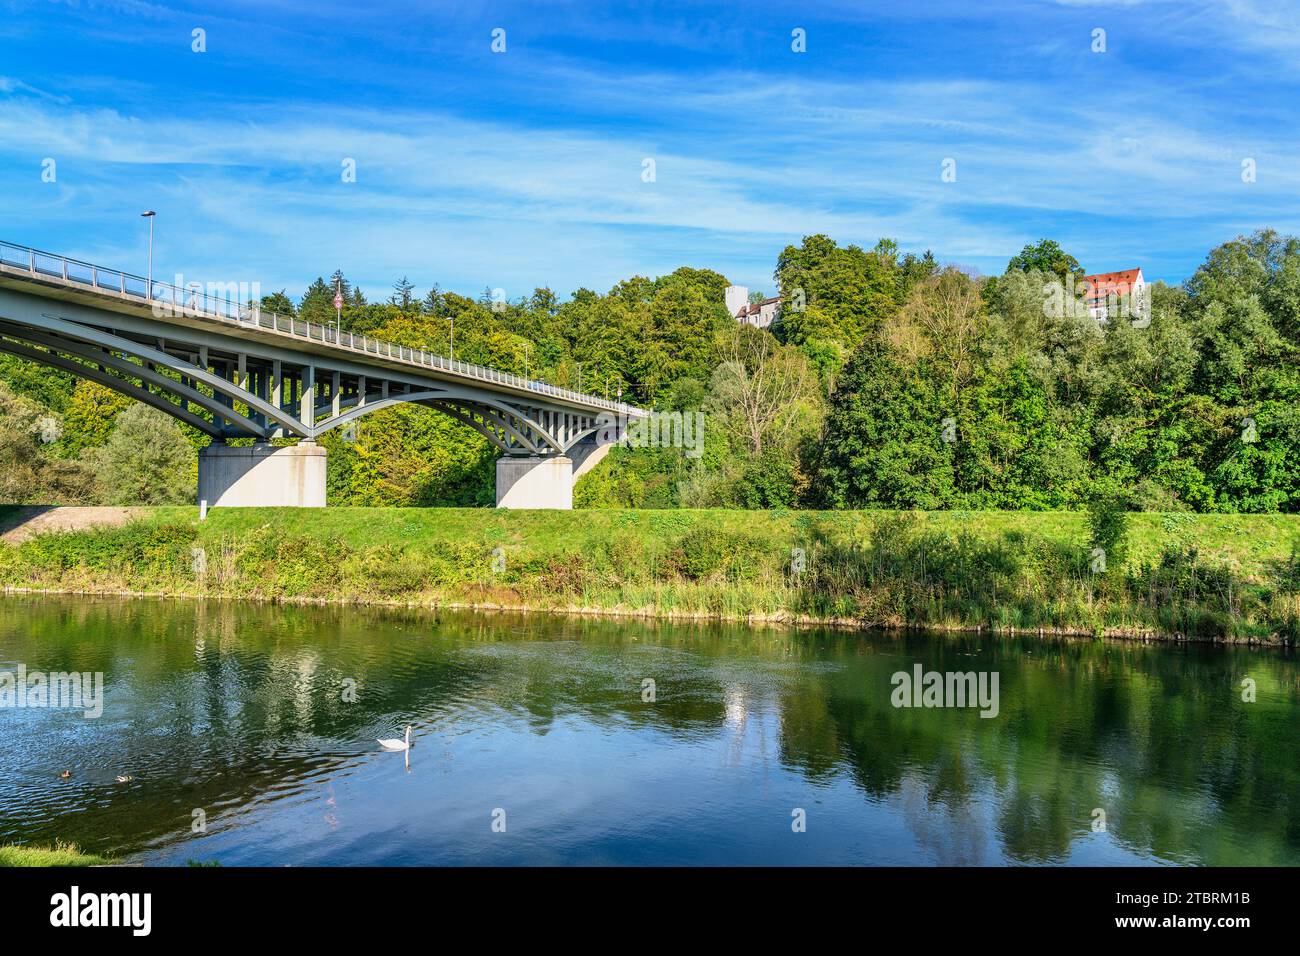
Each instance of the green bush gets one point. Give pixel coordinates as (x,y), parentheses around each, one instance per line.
(147,460)
(706,550)
(1108,523)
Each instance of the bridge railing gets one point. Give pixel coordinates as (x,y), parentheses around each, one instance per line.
(196,302)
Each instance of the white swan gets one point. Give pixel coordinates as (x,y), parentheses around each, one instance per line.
(398,744)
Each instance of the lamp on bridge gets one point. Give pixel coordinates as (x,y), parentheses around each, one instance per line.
(149,214)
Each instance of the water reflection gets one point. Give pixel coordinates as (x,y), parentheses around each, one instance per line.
(241,711)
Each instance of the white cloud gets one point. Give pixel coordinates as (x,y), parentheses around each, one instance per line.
(255,188)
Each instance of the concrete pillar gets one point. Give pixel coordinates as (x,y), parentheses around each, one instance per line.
(535,482)
(261,476)
(587,454)
(307,400)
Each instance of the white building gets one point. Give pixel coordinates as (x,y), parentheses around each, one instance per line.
(758,314)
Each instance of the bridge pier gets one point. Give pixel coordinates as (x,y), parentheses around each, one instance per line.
(261,476)
(535,482)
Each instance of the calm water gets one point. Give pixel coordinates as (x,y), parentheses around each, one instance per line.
(237,710)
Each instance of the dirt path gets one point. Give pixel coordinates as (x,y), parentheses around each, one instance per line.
(20,524)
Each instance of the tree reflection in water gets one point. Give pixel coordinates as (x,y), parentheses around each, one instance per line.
(238,708)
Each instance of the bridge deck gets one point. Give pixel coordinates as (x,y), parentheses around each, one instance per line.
(60,277)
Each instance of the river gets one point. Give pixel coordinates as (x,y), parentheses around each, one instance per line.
(248,734)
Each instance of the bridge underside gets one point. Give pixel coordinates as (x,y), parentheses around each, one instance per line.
(230,384)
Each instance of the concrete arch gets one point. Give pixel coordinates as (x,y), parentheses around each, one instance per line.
(427,398)
(147,376)
(526,429)
(119,385)
(461,404)
(582,434)
(109,342)
(479,426)
(493,426)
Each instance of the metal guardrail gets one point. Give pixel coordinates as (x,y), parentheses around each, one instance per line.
(196,303)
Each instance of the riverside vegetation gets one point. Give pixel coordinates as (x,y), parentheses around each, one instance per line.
(1207,577)
(61,854)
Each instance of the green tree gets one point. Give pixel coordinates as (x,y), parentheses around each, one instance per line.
(834,293)
(1046,256)
(279,303)
(146,461)
(1108,528)
(403,294)
(29,473)
(883,445)
(91,415)
(317,304)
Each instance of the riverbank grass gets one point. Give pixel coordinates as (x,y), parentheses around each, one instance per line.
(61,854)
(1211,577)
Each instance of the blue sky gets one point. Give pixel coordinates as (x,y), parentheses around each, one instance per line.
(511,170)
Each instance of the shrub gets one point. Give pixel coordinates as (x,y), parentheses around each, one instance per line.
(146,461)
(1108,522)
(706,550)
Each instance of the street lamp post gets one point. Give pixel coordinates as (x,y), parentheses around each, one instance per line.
(149,214)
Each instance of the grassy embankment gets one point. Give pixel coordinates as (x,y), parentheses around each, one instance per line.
(1229,577)
(61,854)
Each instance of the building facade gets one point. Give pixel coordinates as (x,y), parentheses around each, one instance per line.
(1116,295)
(758,314)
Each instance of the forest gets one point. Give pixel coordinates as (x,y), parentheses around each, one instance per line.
(888,381)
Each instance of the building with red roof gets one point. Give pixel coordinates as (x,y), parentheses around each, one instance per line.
(1114,294)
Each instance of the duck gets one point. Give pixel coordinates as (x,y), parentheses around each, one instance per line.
(392,744)
(124,778)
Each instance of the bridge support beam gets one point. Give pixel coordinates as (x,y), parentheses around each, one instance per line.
(535,482)
(260,476)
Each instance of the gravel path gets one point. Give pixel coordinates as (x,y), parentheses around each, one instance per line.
(20,525)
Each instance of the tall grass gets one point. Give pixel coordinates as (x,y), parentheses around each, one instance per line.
(1207,577)
(61,854)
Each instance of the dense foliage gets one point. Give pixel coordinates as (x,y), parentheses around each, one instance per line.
(1193,406)
(887,381)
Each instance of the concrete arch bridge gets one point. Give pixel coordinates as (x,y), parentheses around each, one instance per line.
(232,370)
